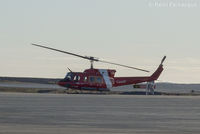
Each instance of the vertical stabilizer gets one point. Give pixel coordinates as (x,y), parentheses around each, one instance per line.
(159,70)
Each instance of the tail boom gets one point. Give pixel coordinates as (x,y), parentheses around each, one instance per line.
(120,81)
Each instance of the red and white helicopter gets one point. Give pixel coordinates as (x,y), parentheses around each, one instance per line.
(103,79)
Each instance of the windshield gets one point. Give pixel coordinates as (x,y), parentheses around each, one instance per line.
(69,76)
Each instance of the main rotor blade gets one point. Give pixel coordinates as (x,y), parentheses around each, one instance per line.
(88,58)
(124,66)
(84,57)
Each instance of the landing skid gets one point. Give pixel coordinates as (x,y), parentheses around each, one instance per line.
(78,91)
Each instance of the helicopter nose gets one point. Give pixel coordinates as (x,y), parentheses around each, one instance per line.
(61,83)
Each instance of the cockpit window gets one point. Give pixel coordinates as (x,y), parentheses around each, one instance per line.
(72,77)
(69,76)
(77,78)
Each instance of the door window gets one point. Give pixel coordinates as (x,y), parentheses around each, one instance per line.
(98,79)
(85,79)
(92,79)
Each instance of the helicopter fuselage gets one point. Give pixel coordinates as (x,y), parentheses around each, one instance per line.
(102,79)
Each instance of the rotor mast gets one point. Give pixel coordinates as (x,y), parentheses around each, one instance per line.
(92,63)
(92,59)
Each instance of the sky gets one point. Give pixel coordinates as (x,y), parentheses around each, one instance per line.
(133,32)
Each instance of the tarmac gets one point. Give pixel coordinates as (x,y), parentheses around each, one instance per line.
(26,113)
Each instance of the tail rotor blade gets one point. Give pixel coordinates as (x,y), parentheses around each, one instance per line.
(163,59)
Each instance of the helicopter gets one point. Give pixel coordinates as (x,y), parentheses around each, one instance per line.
(102,79)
